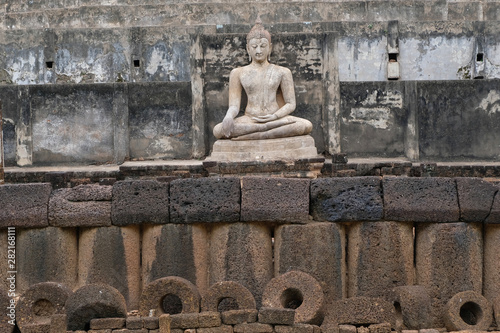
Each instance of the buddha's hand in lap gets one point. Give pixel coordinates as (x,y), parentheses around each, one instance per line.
(265,118)
(227,126)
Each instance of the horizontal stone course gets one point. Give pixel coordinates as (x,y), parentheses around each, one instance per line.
(420,199)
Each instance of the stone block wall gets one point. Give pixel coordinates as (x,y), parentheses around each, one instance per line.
(392,239)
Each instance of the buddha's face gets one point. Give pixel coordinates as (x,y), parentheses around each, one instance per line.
(259,49)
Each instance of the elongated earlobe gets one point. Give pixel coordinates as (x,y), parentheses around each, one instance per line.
(250,58)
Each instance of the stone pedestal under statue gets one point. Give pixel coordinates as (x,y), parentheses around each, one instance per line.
(287,157)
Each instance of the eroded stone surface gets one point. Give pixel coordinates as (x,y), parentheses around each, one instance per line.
(347,199)
(274,199)
(420,199)
(211,199)
(468,310)
(476,198)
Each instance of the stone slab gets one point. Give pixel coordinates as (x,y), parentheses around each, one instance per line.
(24,205)
(475,196)
(140,201)
(82,206)
(347,199)
(420,199)
(276,316)
(274,199)
(210,199)
(292,148)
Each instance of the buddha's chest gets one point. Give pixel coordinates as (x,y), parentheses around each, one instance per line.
(256,81)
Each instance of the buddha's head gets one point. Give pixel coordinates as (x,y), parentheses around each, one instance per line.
(259,43)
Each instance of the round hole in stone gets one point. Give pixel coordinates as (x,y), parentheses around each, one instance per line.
(171,304)
(471,313)
(43,308)
(291,298)
(227,304)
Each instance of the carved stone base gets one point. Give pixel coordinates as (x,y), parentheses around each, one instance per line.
(284,149)
(285,157)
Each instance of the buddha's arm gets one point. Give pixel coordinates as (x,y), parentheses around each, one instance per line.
(288,92)
(234,102)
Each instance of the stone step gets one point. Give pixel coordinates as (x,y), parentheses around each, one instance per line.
(115,14)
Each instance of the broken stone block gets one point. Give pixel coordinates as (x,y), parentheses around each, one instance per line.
(380,328)
(359,311)
(242,252)
(24,205)
(151,323)
(274,199)
(82,206)
(324,259)
(494,217)
(94,301)
(211,199)
(140,201)
(468,310)
(253,328)
(449,259)
(184,320)
(133,323)
(412,305)
(46,254)
(297,328)
(169,295)
(9,309)
(380,257)
(107,323)
(420,199)
(347,199)
(227,290)
(164,323)
(220,329)
(208,319)
(40,302)
(111,255)
(58,323)
(345,328)
(491,257)
(276,316)
(175,250)
(475,196)
(234,317)
(296,290)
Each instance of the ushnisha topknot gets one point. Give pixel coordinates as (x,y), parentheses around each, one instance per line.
(258,31)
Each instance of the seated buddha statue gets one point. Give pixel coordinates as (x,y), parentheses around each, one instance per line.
(271,96)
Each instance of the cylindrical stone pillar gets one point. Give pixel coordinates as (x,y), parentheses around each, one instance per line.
(491,283)
(449,259)
(242,252)
(2,177)
(111,255)
(317,249)
(46,255)
(175,250)
(379,257)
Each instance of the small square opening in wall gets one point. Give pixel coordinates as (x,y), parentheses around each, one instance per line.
(49,64)
(480,57)
(137,63)
(393,57)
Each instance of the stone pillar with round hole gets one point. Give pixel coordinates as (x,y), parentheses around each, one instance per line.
(449,259)
(111,255)
(175,250)
(242,252)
